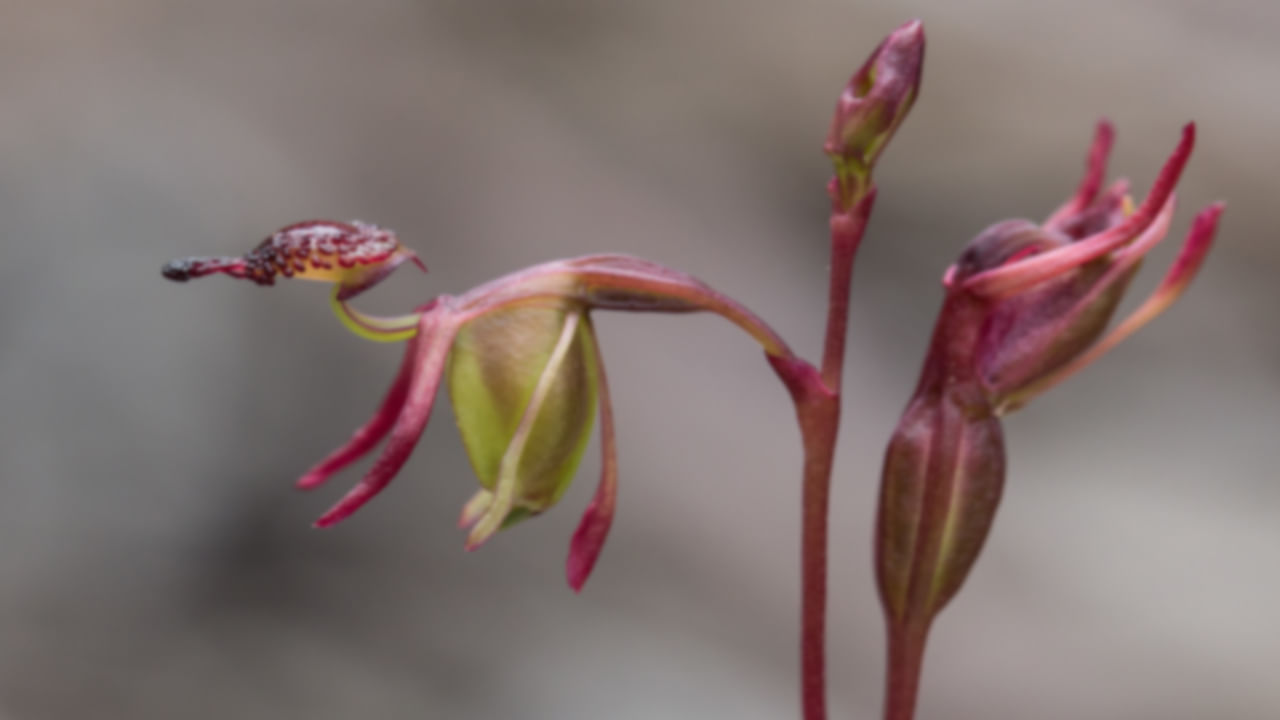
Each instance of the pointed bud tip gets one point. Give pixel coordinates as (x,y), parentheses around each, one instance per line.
(911,31)
(877,98)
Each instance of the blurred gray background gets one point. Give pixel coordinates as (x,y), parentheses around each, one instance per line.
(155,562)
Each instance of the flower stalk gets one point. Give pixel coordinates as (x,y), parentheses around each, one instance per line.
(873,104)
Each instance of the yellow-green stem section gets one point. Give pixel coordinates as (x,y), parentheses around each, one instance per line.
(373,327)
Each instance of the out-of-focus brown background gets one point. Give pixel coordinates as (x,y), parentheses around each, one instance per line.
(155,563)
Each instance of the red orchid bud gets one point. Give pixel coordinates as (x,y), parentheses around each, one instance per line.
(943,475)
(874,103)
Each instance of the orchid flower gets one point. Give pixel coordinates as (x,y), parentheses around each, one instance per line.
(520,358)
(1026,306)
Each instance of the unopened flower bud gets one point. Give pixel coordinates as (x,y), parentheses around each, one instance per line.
(943,475)
(873,105)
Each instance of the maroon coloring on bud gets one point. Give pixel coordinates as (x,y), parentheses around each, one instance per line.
(943,473)
(877,97)
(943,477)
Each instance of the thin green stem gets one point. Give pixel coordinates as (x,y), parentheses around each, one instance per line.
(373,327)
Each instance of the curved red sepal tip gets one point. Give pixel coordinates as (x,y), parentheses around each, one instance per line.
(1161,189)
(1096,166)
(1007,279)
(1200,238)
(435,337)
(588,541)
(372,433)
(593,530)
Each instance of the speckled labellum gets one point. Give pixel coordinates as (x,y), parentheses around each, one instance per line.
(354,256)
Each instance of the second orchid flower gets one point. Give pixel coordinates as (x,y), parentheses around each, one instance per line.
(1026,306)
(520,358)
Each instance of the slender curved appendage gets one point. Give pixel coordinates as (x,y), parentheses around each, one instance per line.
(1111,282)
(1095,173)
(436,330)
(1006,280)
(1184,268)
(372,327)
(588,539)
(372,432)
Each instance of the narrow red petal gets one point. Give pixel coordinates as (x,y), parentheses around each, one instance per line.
(435,338)
(1095,172)
(1185,266)
(1009,279)
(588,539)
(1191,257)
(372,433)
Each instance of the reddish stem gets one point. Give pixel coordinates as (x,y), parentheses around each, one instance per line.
(820,422)
(847,226)
(902,677)
(817,401)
